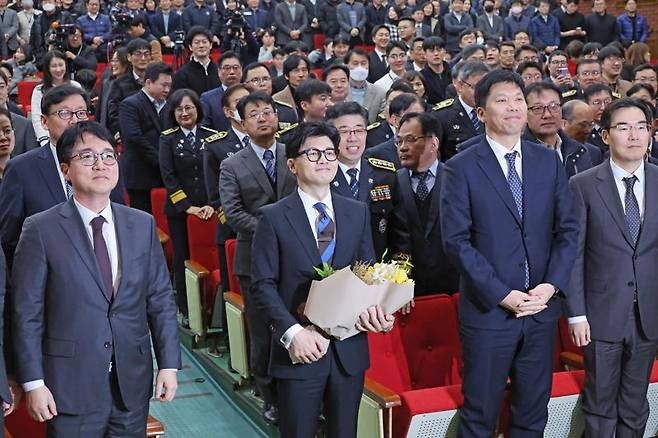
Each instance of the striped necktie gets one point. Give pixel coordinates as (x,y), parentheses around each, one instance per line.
(354,182)
(326,230)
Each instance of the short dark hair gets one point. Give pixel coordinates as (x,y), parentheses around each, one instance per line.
(137,20)
(278,51)
(467,31)
(254,66)
(293,46)
(255,97)
(153,71)
(470,50)
(609,51)
(626,102)
(226,96)
(557,53)
(433,42)
(393,44)
(483,87)
(194,31)
(525,48)
(227,55)
(378,28)
(346,109)
(591,47)
(356,51)
(400,85)
(403,102)
(407,18)
(75,133)
(335,66)
(305,130)
(137,44)
(641,86)
(540,87)
(309,88)
(595,89)
(341,40)
(507,44)
(175,100)
(87,78)
(292,62)
(643,67)
(57,95)
(586,61)
(418,39)
(429,124)
(526,65)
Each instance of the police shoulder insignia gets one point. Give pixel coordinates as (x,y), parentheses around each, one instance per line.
(216,136)
(205,128)
(443,104)
(283,103)
(287,128)
(569,93)
(382,164)
(170,131)
(616,95)
(373,126)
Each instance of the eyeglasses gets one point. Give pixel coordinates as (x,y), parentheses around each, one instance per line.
(89,158)
(586,73)
(313,155)
(185,109)
(262,80)
(352,131)
(397,56)
(7,132)
(65,114)
(231,67)
(604,102)
(625,128)
(257,115)
(559,63)
(552,107)
(144,54)
(409,139)
(470,86)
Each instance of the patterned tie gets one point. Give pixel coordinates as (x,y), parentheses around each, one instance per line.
(325,229)
(102,255)
(632,208)
(69,190)
(246,141)
(268,157)
(422,192)
(190,139)
(354,183)
(516,187)
(476,122)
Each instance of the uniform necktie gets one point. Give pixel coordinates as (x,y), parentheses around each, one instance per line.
(422,192)
(69,190)
(477,126)
(102,255)
(354,183)
(268,157)
(190,139)
(632,208)
(516,187)
(326,229)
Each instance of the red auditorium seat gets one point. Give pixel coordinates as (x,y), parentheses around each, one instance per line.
(318,41)
(235,317)
(158,199)
(233,283)
(317,72)
(25,89)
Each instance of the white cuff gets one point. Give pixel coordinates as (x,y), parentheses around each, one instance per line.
(577,319)
(169,369)
(288,336)
(33,384)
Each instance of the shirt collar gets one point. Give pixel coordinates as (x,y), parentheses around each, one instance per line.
(619,173)
(354,86)
(137,78)
(153,101)
(432,169)
(93,17)
(187,131)
(241,135)
(500,151)
(88,215)
(344,167)
(466,106)
(308,201)
(261,151)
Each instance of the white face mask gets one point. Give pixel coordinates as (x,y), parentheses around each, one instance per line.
(236,116)
(48,7)
(359,73)
(479,40)
(516,10)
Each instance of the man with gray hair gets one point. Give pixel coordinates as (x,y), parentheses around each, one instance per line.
(578,119)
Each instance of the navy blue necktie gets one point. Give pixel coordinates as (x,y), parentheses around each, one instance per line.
(422,191)
(326,229)
(246,140)
(190,139)
(516,187)
(477,126)
(632,208)
(102,254)
(354,183)
(268,157)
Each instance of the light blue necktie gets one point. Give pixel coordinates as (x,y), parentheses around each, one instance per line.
(632,209)
(516,187)
(326,229)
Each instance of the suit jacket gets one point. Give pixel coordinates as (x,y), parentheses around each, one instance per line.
(432,271)
(120,88)
(489,243)
(609,267)
(6,346)
(158,28)
(9,25)
(67,329)
(490,32)
(343,17)
(141,126)
(575,156)
(24,134)
(280,284)
(244,187)
(373,101)
(213,114)
(284,22)
(377,68)
(30,184)
(256,19)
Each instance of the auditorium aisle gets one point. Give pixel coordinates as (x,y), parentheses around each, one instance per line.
(201,408)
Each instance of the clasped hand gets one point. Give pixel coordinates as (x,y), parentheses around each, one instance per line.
(308,346)
(522,304)
(374,320)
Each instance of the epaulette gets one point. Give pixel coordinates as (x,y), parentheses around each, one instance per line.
(616,95)
(283,103)
(373,126)
(216,136)
(569,93)
(382,164)
(220,215)
(170,130)
(177,196)
(286,129)
(214,131)
(443,104)
(381,115)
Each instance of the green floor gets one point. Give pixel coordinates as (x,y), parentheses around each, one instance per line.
(202,408)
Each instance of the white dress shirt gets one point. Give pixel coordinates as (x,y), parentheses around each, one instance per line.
(187,131)
(260,151)
(344,168)
(53,149)
(312,214)
(429,180)
(500,151)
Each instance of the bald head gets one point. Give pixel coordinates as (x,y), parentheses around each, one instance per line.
(578,118)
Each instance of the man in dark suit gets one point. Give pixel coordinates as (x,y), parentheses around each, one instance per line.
(143,116)
(32,182)
(90,289)
(8,397)
(378,65)
(164,25)
(255,176)
(230,72)
(312,226)
(612,297)
(508,226)
(419,182)
(291,27)
(491,24)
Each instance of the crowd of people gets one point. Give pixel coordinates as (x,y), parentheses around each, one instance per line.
(506,147)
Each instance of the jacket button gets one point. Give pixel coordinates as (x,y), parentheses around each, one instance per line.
(631,283)
(107,344)
(114,314)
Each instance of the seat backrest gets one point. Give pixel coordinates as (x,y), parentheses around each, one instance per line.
(430,336)
(388,363)
(25,89)
(158,199)
(201,241)
(233,283)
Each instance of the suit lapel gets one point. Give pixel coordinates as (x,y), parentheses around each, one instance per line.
(408,198)
(650,222)
(50,174)
(433,213)
(125,231)
(252,162)
(365,181)
(296,216)
(489,165)
(610,195)
(151,110)
(340,184)
(282,177)
(342,215)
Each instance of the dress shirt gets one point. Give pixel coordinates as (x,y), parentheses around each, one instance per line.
(500,151)
(312,214)
(187,131)
(387,80)
(260,151)
(358,93)
(381,56)
(466,106)
(53,149)
(557,147)
(92,17)
(344,168)
(165,20)
(429,180)
(241,135)
(158,105)
(291,8)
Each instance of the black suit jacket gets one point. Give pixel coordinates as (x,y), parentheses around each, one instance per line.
(377,68)
(121,88)
(456,127)
(141,126)
(157,24)
(7,345)
(284,255)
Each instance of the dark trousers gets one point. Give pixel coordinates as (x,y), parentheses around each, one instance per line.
(112,421)
(178,231)
(616,380)
(335,393)
(259,345)
(140,199)
(523,353)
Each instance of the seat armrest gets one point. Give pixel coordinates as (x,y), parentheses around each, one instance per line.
(572,361)
(163,237)
(197,268)
(382,395)
(234,299)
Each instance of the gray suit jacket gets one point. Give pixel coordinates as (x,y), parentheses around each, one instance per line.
(9,25)
(24,134)
(608,268)
(244,187)
(489,32)
(373,101)
(284,22)
(67,329)
(343,17)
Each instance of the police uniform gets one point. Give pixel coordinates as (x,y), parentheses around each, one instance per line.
(386,151)
(378,132)
(286,114)
(181,166)
(378,188)
(456,126)
(573,93)
(595,139)
(283,135)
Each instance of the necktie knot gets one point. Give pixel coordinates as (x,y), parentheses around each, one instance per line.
(511,158)
(352,172)
(97,223)
(246,140)
(630,182)
(267,155)
(190,138)
(421,176)
(320,207)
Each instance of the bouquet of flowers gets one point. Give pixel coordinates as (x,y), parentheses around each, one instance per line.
(335,302)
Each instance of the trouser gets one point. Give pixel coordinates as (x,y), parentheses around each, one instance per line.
(140,199)
(178,232)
